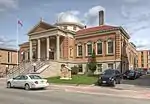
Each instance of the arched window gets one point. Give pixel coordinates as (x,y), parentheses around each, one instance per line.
(89,48)
(79,49)
(99,46)
(110,46)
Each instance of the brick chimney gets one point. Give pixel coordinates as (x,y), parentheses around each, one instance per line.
(101,17)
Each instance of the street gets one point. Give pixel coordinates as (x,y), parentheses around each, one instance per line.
(143,81)
(74,95)
(19,96)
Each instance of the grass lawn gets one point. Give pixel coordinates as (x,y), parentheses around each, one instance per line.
(76,79)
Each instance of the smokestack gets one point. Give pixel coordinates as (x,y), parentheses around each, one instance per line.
(101,17)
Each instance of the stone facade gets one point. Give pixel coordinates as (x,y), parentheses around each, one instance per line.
(8,58)
(144,59)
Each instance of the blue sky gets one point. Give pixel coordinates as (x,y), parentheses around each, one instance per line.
(133,15)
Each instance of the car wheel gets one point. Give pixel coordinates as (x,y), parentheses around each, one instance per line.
(27,87)
(8,85)
(114,83)
(119,81)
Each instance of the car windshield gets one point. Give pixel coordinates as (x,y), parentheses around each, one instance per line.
(35,77)
(132,71)
(108,72)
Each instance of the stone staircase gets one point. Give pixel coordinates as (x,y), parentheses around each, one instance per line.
(26,68)
(44,68)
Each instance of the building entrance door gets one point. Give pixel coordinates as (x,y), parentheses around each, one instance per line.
(51,55)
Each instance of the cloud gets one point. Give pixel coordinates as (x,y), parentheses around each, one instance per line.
(91,17)
(134,21)
(125,14)
(74,12)
(4,42)
(8,4)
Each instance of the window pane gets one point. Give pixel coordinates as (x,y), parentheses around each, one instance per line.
(80,50)
(89,47)
(99,48)
(110,66)
(99,67)
(110,47)
(80,68)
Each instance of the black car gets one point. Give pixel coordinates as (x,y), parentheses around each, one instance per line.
(110,77)
(131,74)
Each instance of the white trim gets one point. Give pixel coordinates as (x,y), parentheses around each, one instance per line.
(99,41)
(87,48)
(113,46)
(79,44)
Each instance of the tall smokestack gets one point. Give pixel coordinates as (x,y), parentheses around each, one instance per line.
(101,17)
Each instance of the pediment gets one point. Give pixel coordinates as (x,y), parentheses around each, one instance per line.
(41,26)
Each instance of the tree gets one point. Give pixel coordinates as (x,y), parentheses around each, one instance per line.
(91,65)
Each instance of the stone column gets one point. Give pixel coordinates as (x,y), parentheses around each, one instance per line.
(31,54)
(39,49)
(58,46)
(47,49)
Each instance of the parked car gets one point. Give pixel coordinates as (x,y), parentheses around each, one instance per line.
(110,77)
(131,74)
(30,81)
(126,74)
(148,71)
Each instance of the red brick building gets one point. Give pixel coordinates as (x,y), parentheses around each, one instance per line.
(70,42)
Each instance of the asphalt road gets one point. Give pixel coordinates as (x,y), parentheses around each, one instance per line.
(61,96)
(20,96)
(143,81)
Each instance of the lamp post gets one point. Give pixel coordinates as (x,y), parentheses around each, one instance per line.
(6,70)
(34,66)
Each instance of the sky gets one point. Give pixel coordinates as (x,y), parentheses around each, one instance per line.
(132,15)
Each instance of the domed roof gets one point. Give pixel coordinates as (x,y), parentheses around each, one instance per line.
(68,17)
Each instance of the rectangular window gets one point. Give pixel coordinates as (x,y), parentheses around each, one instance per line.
(8,57)
(142,65)
(89,49)
(74,27)
(99,67)
(99,48)
(79,50)
(110,66)
(80,68)
(110,47)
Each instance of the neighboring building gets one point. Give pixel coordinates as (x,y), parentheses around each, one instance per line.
(8,58)
(70,42)
(144,59)
(132,56)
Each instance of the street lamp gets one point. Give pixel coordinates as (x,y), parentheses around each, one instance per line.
(49,50)
(6,70)
(34,66)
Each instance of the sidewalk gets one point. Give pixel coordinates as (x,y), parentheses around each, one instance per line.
(109,91)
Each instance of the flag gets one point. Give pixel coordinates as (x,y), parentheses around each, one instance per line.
(20,23)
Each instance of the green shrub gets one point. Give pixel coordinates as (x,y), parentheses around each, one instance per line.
(74,70)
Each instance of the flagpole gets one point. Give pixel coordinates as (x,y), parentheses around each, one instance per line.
(17,32)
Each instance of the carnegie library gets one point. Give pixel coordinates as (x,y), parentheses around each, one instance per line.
(70,42)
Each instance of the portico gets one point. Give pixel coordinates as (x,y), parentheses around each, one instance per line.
(48,43)
(47,48)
